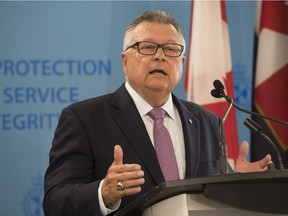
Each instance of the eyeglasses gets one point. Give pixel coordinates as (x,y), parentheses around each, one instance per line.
(150,48)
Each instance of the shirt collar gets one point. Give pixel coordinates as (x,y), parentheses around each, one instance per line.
(144,107)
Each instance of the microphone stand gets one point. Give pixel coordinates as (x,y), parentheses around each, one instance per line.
(228,109)
(222,144)
(218,92)
(222,149)
(255,128)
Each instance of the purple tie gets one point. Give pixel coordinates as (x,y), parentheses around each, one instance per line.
(163,146)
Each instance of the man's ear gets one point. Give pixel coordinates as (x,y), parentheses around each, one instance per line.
(124,62)
(183,60)
(124,59)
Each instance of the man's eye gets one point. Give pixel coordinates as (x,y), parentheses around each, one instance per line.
(170,48)
(148,47)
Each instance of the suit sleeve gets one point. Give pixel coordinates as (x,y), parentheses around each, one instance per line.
(69,188)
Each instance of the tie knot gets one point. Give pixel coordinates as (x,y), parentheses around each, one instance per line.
(157,113)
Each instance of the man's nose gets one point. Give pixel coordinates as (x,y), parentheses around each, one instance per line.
(160,54)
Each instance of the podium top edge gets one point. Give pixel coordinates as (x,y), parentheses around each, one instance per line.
(267,176)
(197,185)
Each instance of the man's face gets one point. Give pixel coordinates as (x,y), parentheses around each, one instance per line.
(153,73)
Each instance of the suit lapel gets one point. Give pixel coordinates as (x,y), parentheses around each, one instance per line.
(128,118)
(190,125)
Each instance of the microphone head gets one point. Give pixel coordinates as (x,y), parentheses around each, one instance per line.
(216,93)
(218,85)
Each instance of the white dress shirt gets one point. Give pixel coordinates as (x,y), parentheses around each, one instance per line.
(172,122)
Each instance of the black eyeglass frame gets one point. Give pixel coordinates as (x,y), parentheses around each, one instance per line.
(158,46)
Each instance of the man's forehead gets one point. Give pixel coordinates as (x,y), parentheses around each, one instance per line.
(145,25)
(155,29)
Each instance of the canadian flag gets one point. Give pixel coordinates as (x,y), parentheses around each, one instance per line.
(209,59)
(271,76)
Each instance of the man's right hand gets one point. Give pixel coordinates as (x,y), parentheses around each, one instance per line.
(130,175)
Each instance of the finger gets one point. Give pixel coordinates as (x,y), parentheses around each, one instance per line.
(129,191)
(265,161)
(118,155)
(127,169)
(131,187)
(243,151)
(130,175)
(133,182)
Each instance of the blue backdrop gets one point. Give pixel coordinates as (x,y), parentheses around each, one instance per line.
(53,54)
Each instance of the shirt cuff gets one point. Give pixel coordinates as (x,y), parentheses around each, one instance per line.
(106,210)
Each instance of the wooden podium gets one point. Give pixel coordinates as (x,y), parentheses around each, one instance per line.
(262,194)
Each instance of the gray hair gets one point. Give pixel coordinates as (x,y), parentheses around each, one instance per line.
(152,16)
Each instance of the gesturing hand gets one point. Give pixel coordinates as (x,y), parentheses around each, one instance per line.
(242,165)
(130,175)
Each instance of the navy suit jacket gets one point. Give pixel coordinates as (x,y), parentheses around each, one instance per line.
(83,146)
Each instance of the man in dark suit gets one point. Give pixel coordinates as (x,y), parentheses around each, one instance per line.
(103,155)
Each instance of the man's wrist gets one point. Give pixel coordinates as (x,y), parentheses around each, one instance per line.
(105,210)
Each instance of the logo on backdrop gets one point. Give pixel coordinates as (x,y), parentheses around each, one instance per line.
(242,86)
(32,205)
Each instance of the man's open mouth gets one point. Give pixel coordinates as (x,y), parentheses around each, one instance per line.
(158,72)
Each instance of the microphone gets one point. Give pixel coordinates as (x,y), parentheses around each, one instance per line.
(219,92)
(255,128)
